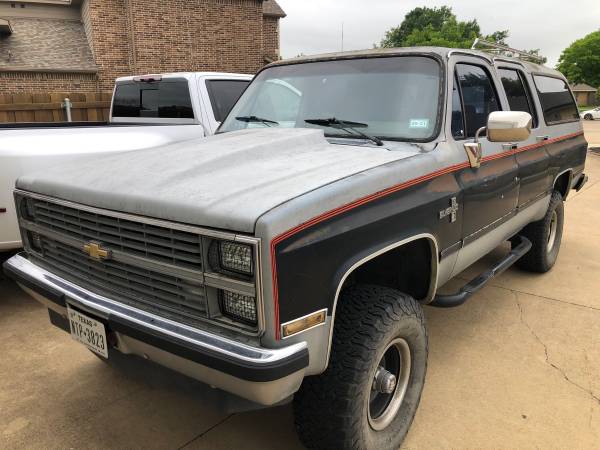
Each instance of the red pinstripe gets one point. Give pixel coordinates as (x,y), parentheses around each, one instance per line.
(377,195)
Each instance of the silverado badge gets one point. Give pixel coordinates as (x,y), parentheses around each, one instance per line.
(450,211)
(96,252)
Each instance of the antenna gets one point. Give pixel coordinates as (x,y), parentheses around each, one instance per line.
(499,49)
(342,36)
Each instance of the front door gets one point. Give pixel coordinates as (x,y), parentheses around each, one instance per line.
(490,192)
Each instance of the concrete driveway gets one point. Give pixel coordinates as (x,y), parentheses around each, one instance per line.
(518,366)
(592,132)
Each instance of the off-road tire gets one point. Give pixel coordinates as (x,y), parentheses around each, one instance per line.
(588,117)
(541,258)
(331,409)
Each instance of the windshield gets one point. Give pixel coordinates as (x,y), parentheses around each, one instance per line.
(397,98)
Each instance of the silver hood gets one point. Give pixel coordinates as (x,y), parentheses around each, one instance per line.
(226,181)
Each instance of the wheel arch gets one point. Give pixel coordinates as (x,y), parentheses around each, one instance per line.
(562,182)
(421,239)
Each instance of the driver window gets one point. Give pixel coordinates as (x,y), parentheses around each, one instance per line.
(458,120)
(479,97)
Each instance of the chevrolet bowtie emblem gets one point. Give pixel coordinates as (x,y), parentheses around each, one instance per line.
(96,252)
(450,211)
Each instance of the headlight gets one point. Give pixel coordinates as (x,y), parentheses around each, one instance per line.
(235,257)
(238,306)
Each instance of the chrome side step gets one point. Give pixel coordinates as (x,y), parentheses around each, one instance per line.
(452,300)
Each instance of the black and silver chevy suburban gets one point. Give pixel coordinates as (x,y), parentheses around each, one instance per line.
(289,257)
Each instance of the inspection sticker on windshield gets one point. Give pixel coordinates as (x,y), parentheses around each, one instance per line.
(419,123)
(88,331)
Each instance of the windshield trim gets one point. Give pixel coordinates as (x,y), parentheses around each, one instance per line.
(431,55)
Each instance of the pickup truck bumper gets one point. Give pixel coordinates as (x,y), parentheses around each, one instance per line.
(265,376)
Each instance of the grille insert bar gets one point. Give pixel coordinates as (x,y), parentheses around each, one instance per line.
(171,246)
(145,289)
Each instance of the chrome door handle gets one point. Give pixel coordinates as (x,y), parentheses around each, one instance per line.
(542,138)
(509,146)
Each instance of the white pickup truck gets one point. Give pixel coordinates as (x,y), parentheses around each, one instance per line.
(146,111)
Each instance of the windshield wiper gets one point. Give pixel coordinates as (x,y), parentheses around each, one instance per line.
(249,119)
(347,126)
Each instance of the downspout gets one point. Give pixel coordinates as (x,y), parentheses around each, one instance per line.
(131,35)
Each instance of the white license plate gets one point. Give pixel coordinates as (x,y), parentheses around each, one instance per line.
(88,331)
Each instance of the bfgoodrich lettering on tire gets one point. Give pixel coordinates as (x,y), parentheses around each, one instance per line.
(545,236)
(368,396)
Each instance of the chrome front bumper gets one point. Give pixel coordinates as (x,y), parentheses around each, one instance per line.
(265,376)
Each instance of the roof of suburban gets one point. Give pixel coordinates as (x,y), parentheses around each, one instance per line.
(272,8)
(46,44)
(582,87)
(440,51)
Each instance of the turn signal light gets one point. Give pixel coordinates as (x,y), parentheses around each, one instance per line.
(303,323)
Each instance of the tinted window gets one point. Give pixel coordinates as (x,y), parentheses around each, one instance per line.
(556,99)
(458,120)
(518,95)
(167,99)
(394,97)
(223,95)
(478,96)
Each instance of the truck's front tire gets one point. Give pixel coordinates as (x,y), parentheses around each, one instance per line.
(545,236)
(379,335)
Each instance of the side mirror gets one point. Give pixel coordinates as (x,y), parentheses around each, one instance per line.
(502,126)
(509,126)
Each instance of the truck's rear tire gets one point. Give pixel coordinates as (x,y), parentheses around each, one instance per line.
(355,403)
(545,236)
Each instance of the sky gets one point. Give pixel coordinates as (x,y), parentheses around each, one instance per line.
(315,26)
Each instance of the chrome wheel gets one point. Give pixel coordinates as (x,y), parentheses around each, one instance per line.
(552,232)
(389,384)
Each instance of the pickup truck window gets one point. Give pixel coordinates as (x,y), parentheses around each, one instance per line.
(397,98)
(517,92)
(556,99)
(165,99)
(223,94)
(479,97)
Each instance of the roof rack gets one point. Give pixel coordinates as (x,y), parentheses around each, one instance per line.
(503,50)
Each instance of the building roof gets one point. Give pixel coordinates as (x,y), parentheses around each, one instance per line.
(582,87)
(46,44)
(272,8)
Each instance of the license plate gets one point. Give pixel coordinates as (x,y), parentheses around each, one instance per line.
(88,331)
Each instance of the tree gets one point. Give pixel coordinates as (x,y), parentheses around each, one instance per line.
(536,52)
(418,18)
(580,62)
(438,27)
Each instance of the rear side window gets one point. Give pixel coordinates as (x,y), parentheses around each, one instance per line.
(223,95)
(517,92)
(479,98)
(556,99)
(166,99)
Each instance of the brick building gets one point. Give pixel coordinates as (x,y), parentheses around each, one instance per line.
(83,45)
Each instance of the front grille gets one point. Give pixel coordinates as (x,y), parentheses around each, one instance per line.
(179,248)
(150,264)
(145,289)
